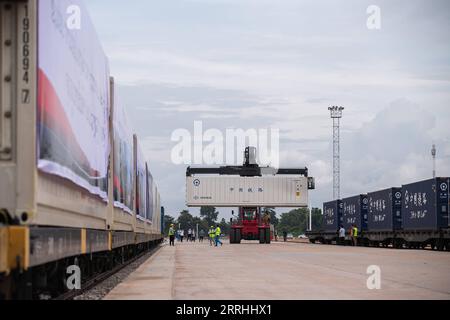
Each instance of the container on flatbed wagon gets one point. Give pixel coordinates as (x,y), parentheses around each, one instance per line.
(66,132)
(425,204)
(332,215)
(355,212)
(385,210)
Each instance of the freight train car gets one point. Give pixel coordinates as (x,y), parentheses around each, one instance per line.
(425,206)
(348,212)
(354,212)
(413,216)
(331,222)
(384,217)
(74,189)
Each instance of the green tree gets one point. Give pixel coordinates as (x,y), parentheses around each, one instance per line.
(185,220)
(317,217)
(168,220)
(209,214)
(294,221)
(273,215)
(202,224)
(225,226)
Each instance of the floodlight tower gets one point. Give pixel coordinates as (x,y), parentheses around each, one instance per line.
(336,115)
(433,154)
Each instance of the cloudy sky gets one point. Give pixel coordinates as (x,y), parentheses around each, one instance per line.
(281,64)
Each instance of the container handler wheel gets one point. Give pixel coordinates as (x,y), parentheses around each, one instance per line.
(238,236)
(233,236)
(267,233)
(264,235)
(261,236)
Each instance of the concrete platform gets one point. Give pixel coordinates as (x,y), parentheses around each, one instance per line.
(286,271)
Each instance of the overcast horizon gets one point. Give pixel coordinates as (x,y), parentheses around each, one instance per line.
(281,64)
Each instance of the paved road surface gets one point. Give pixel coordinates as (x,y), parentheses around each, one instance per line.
(286,271)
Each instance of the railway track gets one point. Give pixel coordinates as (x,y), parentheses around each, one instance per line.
(101,277)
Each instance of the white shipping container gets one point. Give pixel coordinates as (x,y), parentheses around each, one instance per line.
(236,191)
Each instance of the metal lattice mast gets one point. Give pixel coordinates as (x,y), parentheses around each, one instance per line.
(433,154)
(336,115)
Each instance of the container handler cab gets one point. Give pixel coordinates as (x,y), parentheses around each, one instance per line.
(250,226)
(248,187)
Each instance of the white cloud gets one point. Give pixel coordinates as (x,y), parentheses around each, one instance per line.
(260,63)
(392,149)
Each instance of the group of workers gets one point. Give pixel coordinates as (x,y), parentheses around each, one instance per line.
(341,241)
(353,235)
(214,235)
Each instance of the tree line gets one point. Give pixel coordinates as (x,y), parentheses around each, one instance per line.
(295,221)
(208,217)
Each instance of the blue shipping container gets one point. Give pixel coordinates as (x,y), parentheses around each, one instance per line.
(425,204)
(385,210)
(332,216)
(355,212)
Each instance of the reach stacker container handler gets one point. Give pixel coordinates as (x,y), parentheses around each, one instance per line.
(248,187)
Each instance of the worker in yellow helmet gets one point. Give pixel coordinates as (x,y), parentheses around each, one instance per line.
(217,236)
(212,234)
(354,235)
(171,235)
